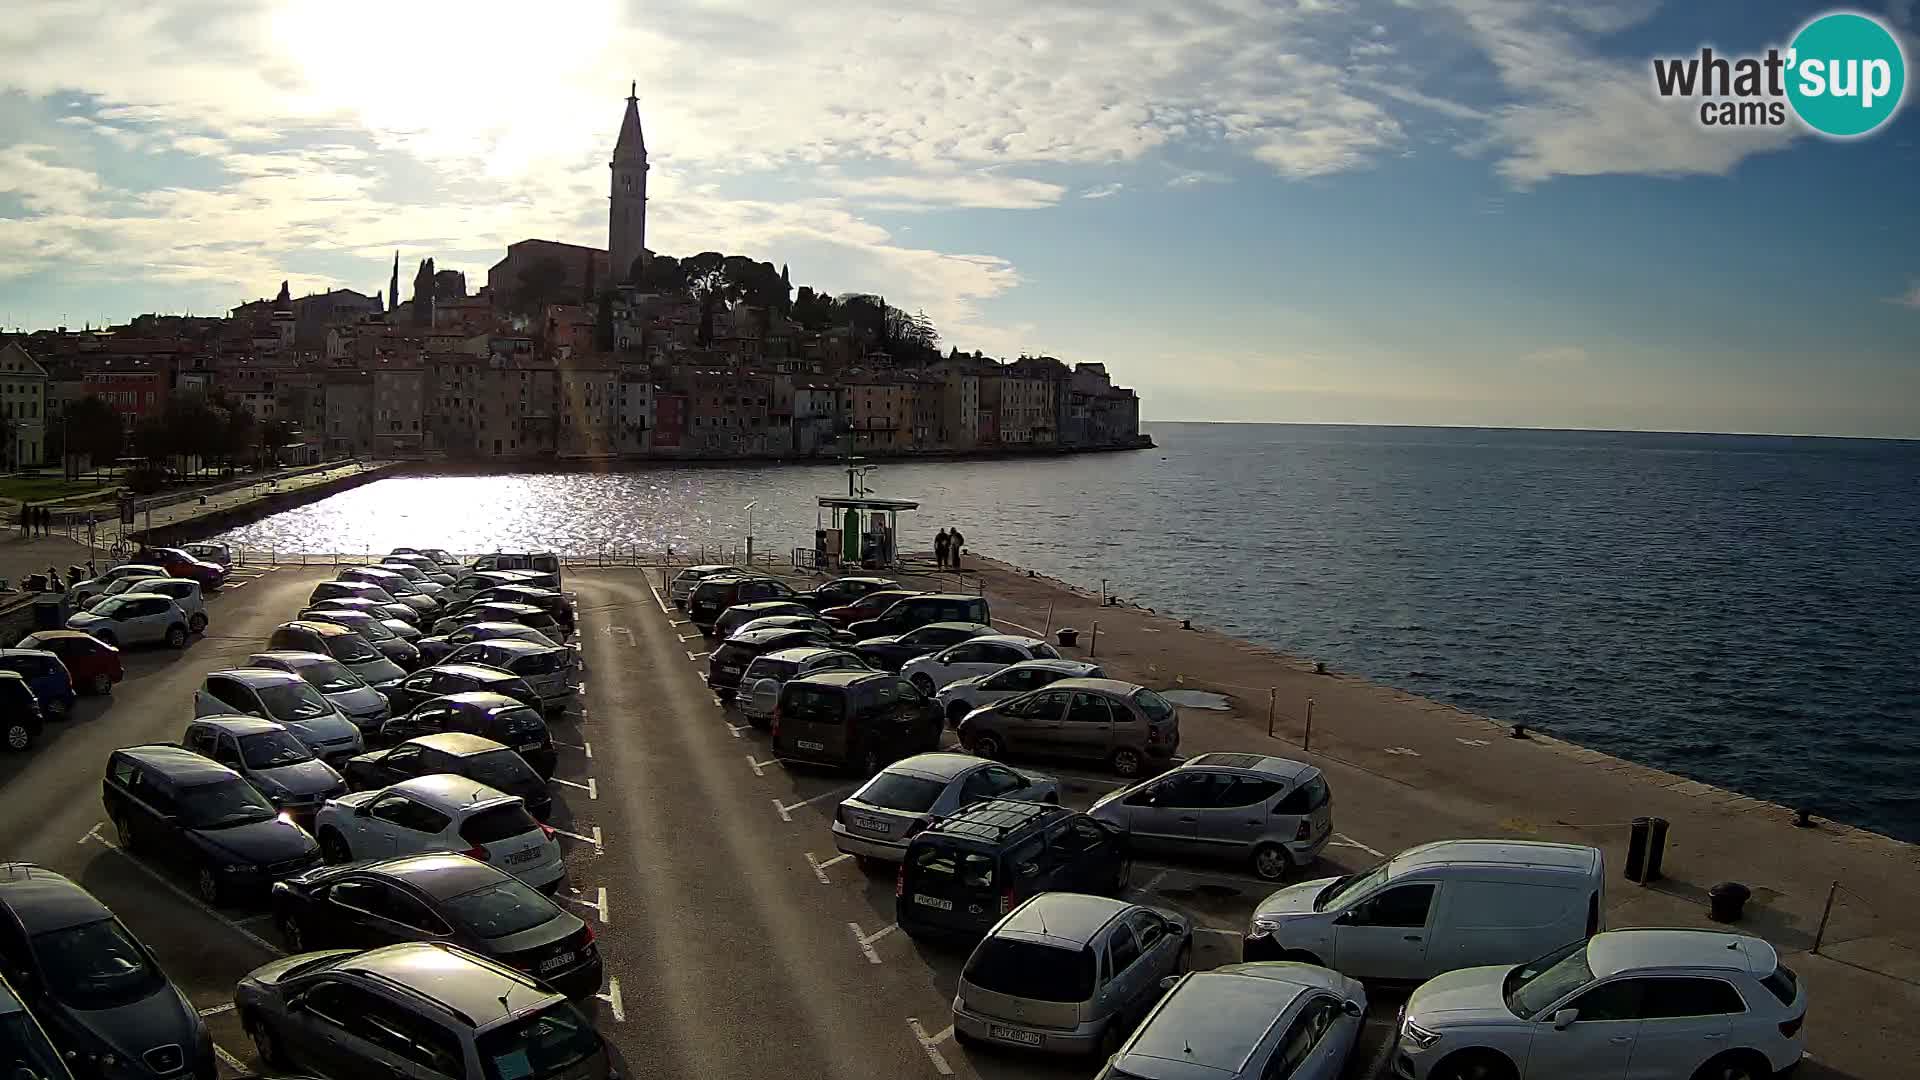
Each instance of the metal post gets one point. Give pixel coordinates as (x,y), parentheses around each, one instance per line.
(1048,632)
(1094,643)
(1306,741)
(1273,697)
(1826,911)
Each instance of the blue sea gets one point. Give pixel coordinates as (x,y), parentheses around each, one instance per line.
(1744,610)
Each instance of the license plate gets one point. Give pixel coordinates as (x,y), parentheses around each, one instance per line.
(871,824)
(728,669)
(806,745)
(529,746)
(554,963)
(1007,1034)
(933,901)
(523,856)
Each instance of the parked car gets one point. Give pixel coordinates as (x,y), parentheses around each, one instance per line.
(874,823)
(492,1022)
(717,594)
(415,576)
(1268,812)
(340,643)
(913,612)
(867,607)
(377,632)
(269,757)
(503,611)
(962,696)
(974,657)
(439,897)
(468,582)
(396,585)
(29,1051)
(437,648)
(548,669)
(401,628)
(503,719)
(890,652)
(442,680)
(217,552)
(441,813)
(46,676)
(738,616)
(548,600)
(540,562)
(684,581)
(440,556)
(286,699)
(1651,1002)
(1249,1022)
(193,813)
(473,756)
(390,608)
(728,661)
(1122,724)
(80,592)
(183,591)
(104,1000)
(861,720)
(21,717)
(1436,908)
(842,591)
(967,870)
(93,664)
(134,619)
(434,571)
(337,682)
(760,684)
(1066,973)
(178,563)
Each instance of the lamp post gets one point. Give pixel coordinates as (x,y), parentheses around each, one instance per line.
(750,507)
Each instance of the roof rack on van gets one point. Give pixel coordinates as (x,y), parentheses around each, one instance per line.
(996,817)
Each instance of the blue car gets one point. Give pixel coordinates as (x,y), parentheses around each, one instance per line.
(46,676)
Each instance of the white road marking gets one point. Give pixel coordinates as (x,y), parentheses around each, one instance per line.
(788,808)
(216,1010)
(880,933)
(1204,875)
(1217,930)
(866,947)
(265,916)
(600,908)
(599,848)
(1028,629)
(92,834)
(684,638)
(189,897)
(612,998)
(1403,751)
(820,868)
(1470,742)
(230,1061)
(1151,882)
(1341,839)
(591,787)
(758,767)
(1103,782)
(587,747)
(696,656)
(931,1046)
(656,599)
(735,729)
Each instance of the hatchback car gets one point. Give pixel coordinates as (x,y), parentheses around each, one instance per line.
(1066,973)
(1269,812)
(417,577)
(430,570)
(443,679)
(716,594)
(549,669)
(337,682)
(46,676)
(890,652)
(475,757)
(727,663)
(184,592)
(861,720)
(684,581)
(1649,1002)
(400,628)
(974,657)
(360,590)
(1119,723)
(551,601)
(439,897)
(134,619)
(195,814)
(961,697)
(1263,1021)
(217,552)
(93,664)
(179,563)
(398,585)
(503,611)
(867,607)
(340,643)
(739,615)
(441,813)
(760,684)
(437,648)
(796,622)
(468,582)
(912,612)
(104,1000)
(79,592)
(383,634)
(286,699)
(842,591)
(965,871)
(874,823)
(503,719)
(268,756)
(21,718)
(441,1011)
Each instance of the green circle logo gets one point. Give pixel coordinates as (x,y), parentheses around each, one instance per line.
(1847,74)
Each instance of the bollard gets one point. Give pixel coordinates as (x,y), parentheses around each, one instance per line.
(1726,900)
(1306,741)
(1273,695)
(1656,849)
(1186,624)
(1820,934)
(1803,819)
(1635,867)
(1049,628)
(1519,731)
(1093,641)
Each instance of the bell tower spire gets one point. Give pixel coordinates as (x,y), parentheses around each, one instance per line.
(627,207)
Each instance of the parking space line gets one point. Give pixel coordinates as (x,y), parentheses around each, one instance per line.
(931,1046)
(678,622)
(599,848)
(216,1010)
(735,729)
(1209,875)
(264,916)
(600,907)
(591,787)
(230,1061)
(1341,839)
(696,657)
(185,895)
(784,810)
(587,747)
(1017,626)
(684,638)
(865,943)
(820,868)
(612,998)
(1151,882)
(656,599)
(1217,930)
(758,767)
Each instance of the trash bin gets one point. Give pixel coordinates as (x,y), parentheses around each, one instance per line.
(1068,636)
(1725,901)
(1637,836)
(47,615)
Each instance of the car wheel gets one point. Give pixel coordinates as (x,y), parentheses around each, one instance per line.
(264,1044)
(19,735)
(333,847)
(1184,962)
(1270,862)
(123,828)
(198,623)
(870,763)
(1735,1065)
(1126,762)
(1475,1065)
(176,636)
(922,683)
(290,931)
(102,684)
(987,746)
(206,885)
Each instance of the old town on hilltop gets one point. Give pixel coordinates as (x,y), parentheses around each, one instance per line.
(567,352)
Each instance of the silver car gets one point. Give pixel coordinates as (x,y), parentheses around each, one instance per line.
(276,763)
(1066,973)
(337,682)
(1270,812)
(761,682)
(1248,1022)
(551,670)
(1122,724)
(286,699)
(874,823)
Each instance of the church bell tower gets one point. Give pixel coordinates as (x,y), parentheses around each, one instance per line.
(627,209)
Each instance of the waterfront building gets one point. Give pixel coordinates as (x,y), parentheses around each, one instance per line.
(349,412)
(23,403)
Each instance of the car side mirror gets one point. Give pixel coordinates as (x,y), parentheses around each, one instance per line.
(1351,1007)
(1564,1019)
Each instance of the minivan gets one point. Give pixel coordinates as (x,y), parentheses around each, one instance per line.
(716,594)
(1123,724)
(1437,908)
(344,645)
(1270,813)
(547,600)
(913,612)
(970,868)
(854,719)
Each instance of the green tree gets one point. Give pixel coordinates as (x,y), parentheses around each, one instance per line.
(707,280)
(91,428)
(274,434)
(603,324)
(663,274)
(153,439)
(543,282)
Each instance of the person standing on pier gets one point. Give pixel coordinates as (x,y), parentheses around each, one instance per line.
(955,541)
(940,548)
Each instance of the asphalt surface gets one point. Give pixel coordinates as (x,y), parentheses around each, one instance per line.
(736,943)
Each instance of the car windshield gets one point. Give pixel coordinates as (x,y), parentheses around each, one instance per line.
(1027,969)
(370,628)
(505,907)
(438,555)
(1532,987)
(501,769)
(766,667)
(25,1052)
(95,965)
(496,823)
(900,791)
(272,750)
(292,701)
(396,583)
(551,1041)
(1044,651)
(1152,706)
(520,724)
(330,677)
(1342,890)
(351,649)
(541,663)
(223,804)
(111,608)
(411,573)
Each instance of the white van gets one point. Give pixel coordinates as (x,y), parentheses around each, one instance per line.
(1436,908)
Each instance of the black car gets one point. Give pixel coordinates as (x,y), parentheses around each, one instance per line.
(842,591)
(174,806)
(550,601)
(442,679)
(891,651)
(502,611)
(854,719)
(504,720)
(912,612)
(382,634)
(717,594)
(439,897)
(20,713)
(475,757)
(968,869)
(740,615)
(101,996)
(729,660)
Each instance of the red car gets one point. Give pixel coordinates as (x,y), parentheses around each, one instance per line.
(867,607)
(93,664)
(182,565)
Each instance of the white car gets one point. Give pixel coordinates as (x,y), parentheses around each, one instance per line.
(134,619)
(184,592)
(767,674)
(1624,1004)
(80,592)
(287,700)
(959,698)
(441,812)
(973,658)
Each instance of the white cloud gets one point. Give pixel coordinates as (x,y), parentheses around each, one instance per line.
(44,188)
(982,189)
(1909,299)
(1103,191)
(1194,177)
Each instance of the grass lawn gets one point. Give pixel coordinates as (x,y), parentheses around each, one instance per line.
(38,488)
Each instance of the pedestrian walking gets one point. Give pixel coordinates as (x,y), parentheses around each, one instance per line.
(940,541)
(46,521)
(955,542)
(26,520)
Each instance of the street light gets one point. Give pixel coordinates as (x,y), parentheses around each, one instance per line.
(750,507)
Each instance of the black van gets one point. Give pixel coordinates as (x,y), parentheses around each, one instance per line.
(716,594)
(914,612)
(970,868)
(863,719)
(728,663)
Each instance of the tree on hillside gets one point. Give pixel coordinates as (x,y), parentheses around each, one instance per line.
(708,282)
(543,282)
(274,434)
(663,273)
(603,323)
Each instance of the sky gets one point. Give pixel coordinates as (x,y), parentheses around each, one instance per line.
(1352,211)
